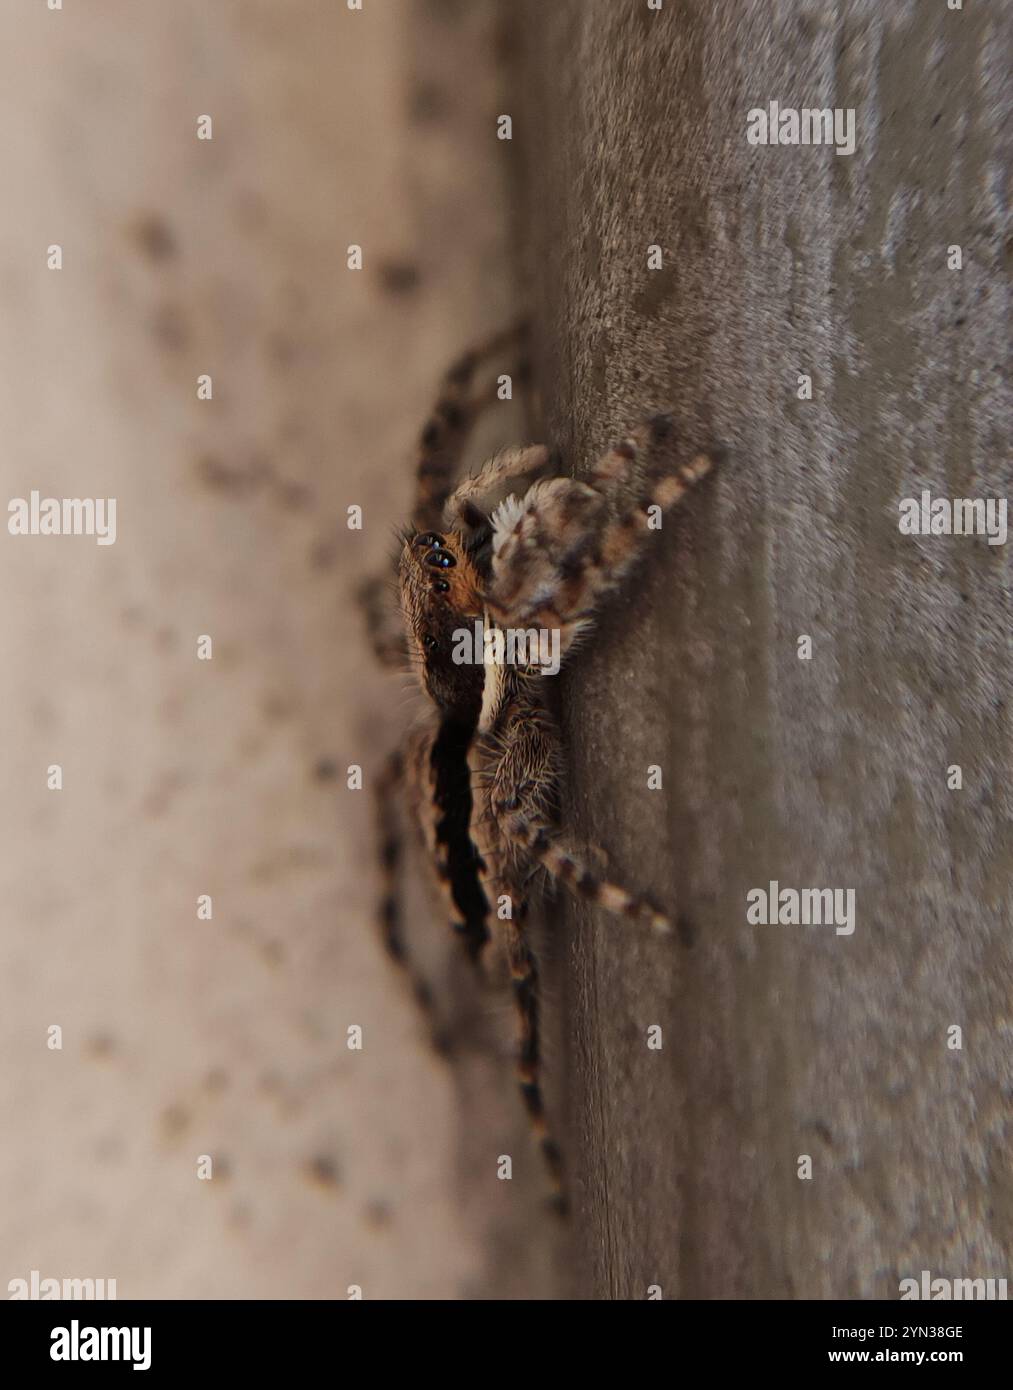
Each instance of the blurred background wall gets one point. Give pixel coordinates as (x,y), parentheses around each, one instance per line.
(182,777)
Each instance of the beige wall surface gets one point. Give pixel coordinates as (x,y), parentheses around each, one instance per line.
(182,777)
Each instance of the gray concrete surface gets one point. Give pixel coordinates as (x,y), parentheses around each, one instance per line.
(629,129)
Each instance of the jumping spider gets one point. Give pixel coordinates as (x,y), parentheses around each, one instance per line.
(483,777)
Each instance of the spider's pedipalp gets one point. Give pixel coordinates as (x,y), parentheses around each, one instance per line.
(472,501)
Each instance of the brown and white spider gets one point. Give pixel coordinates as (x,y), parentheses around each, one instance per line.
(517,549)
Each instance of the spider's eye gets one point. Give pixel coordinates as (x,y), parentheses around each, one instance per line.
(441,586)
(430,538)
(440,560)
(429,643)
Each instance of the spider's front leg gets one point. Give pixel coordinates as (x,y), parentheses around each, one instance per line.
(557,554)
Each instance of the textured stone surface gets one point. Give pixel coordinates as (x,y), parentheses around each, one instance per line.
(629,129)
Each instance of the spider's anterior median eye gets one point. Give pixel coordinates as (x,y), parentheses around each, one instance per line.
(429,538)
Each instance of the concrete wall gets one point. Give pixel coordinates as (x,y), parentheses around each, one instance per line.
(630,130)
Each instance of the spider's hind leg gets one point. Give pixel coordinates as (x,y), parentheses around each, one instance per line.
(523,802)
(524,982)
(530,833)
(526,991)
(572,869)
(391,921)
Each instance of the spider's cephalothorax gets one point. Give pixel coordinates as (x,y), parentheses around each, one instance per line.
(514,549)
(441,588)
